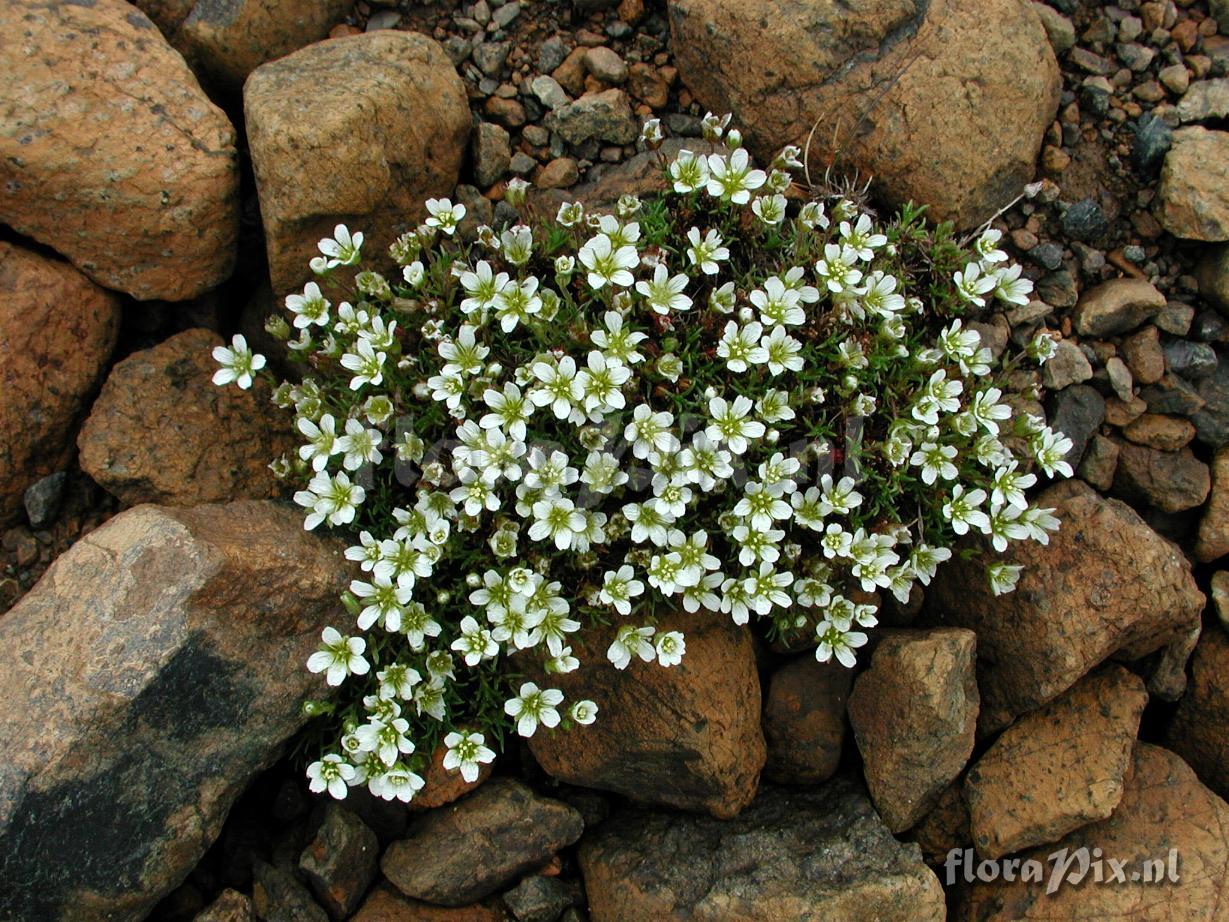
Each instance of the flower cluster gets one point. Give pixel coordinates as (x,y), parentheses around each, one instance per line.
(724,399)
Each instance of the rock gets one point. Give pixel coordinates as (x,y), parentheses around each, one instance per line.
(1164,433)
(1117,306)
(1100,462)
(1068,366)
(387,905)
(1193,197)
(341,860)
(168,15)
(606,65)
(548,92)
(230,906)
(551,54)
(1145,356)
(42,499)
(1169,480)
(1153,138)
(1205,99)
(646,84)
(1085,220)
(441,786)
(1220,596)
(1190,360)
(468,850)
(1167,823)
(278,896)
(804,720)
(153,671)
(1059,29)
(1198,730)
(538,899)
(1176,78)
(491,57)
(1213,275)
(360,130)
(57,330)
(865,72)
(1077,412)
(1120,380)
(162,432)
(1169,395)
(945,827)
(1176,318)
(560,173)
(107,136)
(225,40)
(1079,600)
(492,153)
(1058,768)
(914,714)
(1213,538)
(605,116)
(1211,418)
(812,854)
(687,736)
(1168,678)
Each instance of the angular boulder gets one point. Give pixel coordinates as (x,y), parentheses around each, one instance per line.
(1167,824)
(1193,197)
(162,432)
(804,720)
(1106,584)
(358,130)
(1212,540)
(687,736)
(914,715)
(57,330)
(1199,731)
(152,672)
(920,96)
(466,851)
(819,854)
(1058,768)
(111,153)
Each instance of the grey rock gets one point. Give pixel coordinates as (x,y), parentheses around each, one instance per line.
(1059,29)
(1085,220)
(1190,360)
(491,57)
(1210,327)
(549,92)
(522,164)
(1047,255)
(1175,317)
(1192,200)
(492,153)
(43,499)
(506,15)
(1169,480)
(1117,306)
(1120,379)
(538,899)
(606,65)
(1212,421)
(1077,412)
(811,854)
(1213,277)
(551,53)
(383,19)
(1205,99)
(1172,396)
(605,116)
(279,897)
(1068,366)
(341,861)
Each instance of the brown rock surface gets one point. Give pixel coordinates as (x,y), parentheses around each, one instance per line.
(111,153)
(1164,433)
(921,96)
(467,850)
(1058,768)
(1105,584)
(153,671)
(792,855)
(1170,480)
(358,130)
(387,905)
(1165,814)
(687,736)
(1117,306)
(1193,197)
(442,786)
(57,330)
(804,720)
(914,715)
(226,40)
(1213,539)
(341,860)
(1200,728)
(161,431)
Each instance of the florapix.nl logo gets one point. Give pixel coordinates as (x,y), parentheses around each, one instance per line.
(1064,867)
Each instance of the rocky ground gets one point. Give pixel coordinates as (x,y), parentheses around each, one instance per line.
(164,179)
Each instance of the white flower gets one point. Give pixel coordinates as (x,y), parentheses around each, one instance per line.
(762,504)
(838,641)
(342,249)
(464,355)
(617,341)
(359,446)
(779,351)
(665,293)
(733,179)
(467,752)
(332,774)
(533,707)
(444,215)
(238,363)
(629,643)
(570,214)
(475,642)
(688,172)
(516,242)
(839,497)
(707,252)
(1009,286)
(1051,449)
(601,384)
(334,499)
(971,284)
(517,302)
(1003,577)
(963,510)
(732,424)
(778,304)
(606,264)
(861,239)
(670,648)
(396,783)
(339,657)
(583,712)
(649,431)
(558,387)
(769,208)
(321,441)
(309,308)
(510,410)
(483,287)
(1042,348)
(414,274)
(739,345)
(557,519)
(366,363)
(935,461)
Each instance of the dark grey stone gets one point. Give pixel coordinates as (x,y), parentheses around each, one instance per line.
(43,499)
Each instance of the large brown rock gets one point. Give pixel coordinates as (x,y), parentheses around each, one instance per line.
(687,736)
(1213,537)
(387,904)
(1193,197)
(225,40)
(466,851)
(152,672)
(57,330)
(921,96)
(358,130)
(804,720)
(1200,728)
(1105,584)
(111,153)
(1166,817)
(821,854)
(1172,481)
(162,432)
(1058,768)
(914,715)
